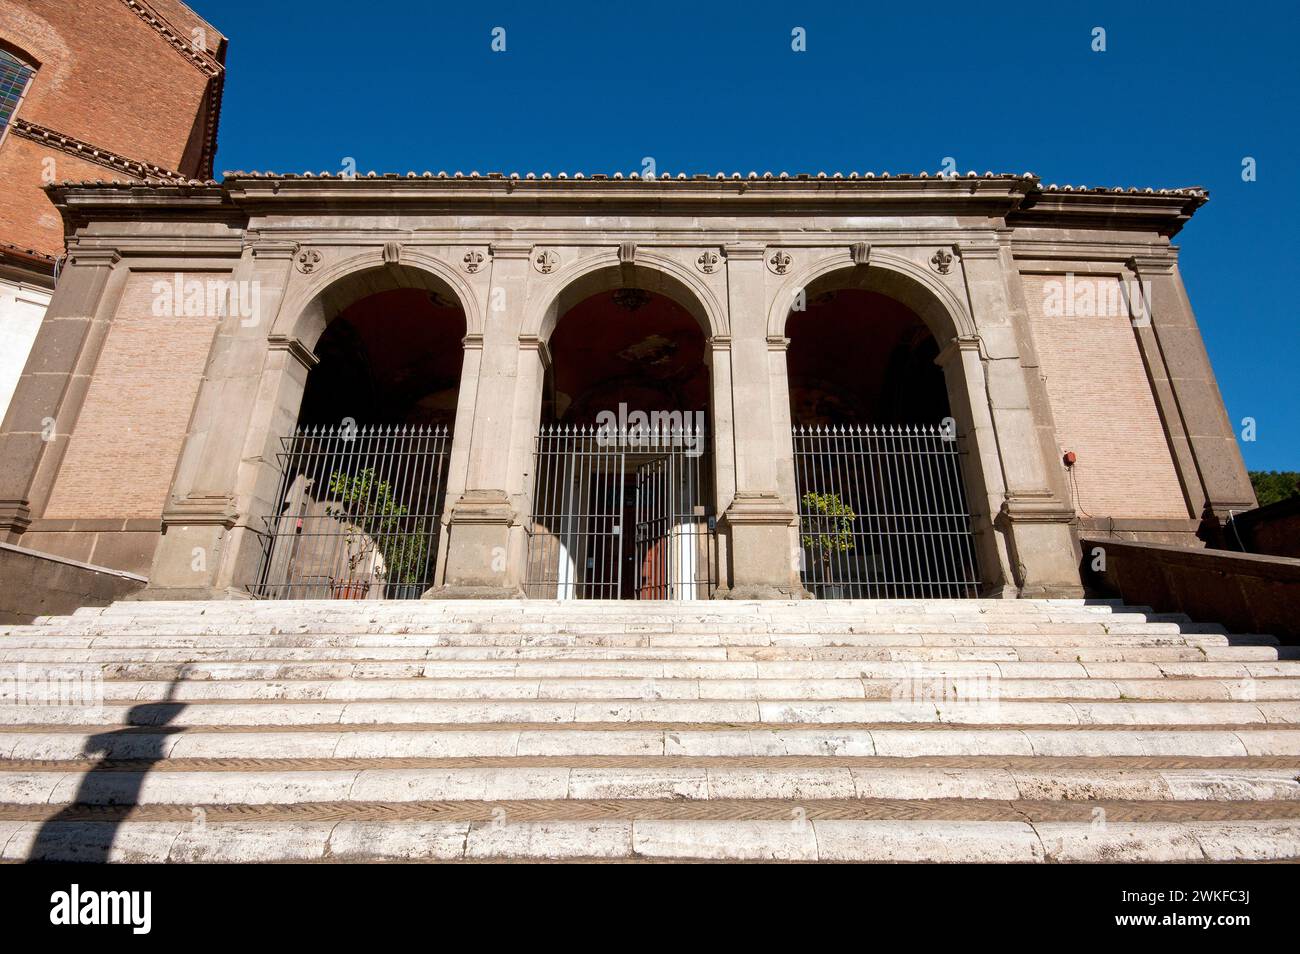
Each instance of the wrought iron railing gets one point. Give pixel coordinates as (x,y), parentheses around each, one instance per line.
(621,514)
(357,514)
(883,513)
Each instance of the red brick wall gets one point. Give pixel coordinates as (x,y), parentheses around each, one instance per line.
(1104,410)
(27,217)
(128,437)
(106,78)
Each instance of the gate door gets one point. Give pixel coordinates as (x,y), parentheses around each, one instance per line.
(620,516)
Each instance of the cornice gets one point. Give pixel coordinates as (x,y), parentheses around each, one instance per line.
(50,138)
(201,60)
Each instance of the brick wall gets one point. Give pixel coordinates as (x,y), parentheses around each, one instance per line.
(1103,406)
(28,218)
(128,437)
(107,78)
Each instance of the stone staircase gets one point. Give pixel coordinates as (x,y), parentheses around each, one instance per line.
(893,730)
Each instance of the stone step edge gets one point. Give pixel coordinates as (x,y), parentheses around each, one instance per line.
(1035,763)
(91,786)
(656,839)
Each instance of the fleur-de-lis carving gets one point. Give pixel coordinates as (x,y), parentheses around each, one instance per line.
(780,262)
(307,260)
(472,260)
(547,261)
(708,262)
(941,262)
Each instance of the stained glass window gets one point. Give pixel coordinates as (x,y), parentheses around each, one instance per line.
(14,74)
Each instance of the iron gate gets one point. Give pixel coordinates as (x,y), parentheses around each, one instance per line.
(357,514)
(621,514)
(883,513)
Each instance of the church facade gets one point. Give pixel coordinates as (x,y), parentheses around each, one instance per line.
(654,387)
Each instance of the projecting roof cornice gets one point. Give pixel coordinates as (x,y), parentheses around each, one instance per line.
(1020,199)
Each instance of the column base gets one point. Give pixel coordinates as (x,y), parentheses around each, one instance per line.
(762,549)
(1038,530)
(761,593)
(188,594)
(472,592)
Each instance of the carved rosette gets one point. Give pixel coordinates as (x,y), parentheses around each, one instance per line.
(307,260)
(708,261)
(546,261)
(779,262)
(941,262)
(473,260)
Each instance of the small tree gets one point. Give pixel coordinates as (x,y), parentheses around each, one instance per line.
(832,522)
(368,509)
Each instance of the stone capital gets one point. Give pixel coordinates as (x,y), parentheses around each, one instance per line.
(758,508)
(200,510)
(97,257)
(1034,508)
(746,252)
(955,347)
(297,350)
(490,507)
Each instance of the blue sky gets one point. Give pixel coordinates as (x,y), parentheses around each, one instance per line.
(1183,92)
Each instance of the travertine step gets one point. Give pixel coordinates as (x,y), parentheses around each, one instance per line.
(552,711)
(897,730)
(683,688)
(795,838)
(79,743)
(158,786)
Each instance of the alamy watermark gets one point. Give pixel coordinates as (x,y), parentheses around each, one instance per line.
(1087,296)
(70,687)
(652,429)
(207,298)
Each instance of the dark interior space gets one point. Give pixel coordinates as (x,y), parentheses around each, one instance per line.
(391,358)
(859,357)
(625,346)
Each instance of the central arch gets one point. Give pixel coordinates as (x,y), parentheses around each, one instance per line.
(622,494)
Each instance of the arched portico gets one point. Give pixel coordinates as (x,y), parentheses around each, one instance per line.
(490,523)
(229,489)
(916,290)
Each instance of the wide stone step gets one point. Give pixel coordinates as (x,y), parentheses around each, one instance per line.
(1149,651)
(794,838)
(251,637)
(915,687)
(639,741)
(241,787)
(658,669)
(475,711)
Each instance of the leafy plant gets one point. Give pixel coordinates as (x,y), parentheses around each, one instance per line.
(1274,485)
(833,523)
(374,518)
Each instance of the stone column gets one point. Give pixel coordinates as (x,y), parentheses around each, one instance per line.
(1034,519)
(227,476)
(760,522)
(1203,439)
(485,524)
(722,422)
(53,385)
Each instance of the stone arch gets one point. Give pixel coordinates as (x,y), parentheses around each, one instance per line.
(889,274)
(310,307)
(651,271)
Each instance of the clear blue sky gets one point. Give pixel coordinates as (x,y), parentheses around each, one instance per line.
(1183,92)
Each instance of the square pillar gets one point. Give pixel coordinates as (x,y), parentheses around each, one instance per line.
(760,522)
(226,479)
(1035,521)
(1204,441)
(52,388)
(486,538)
